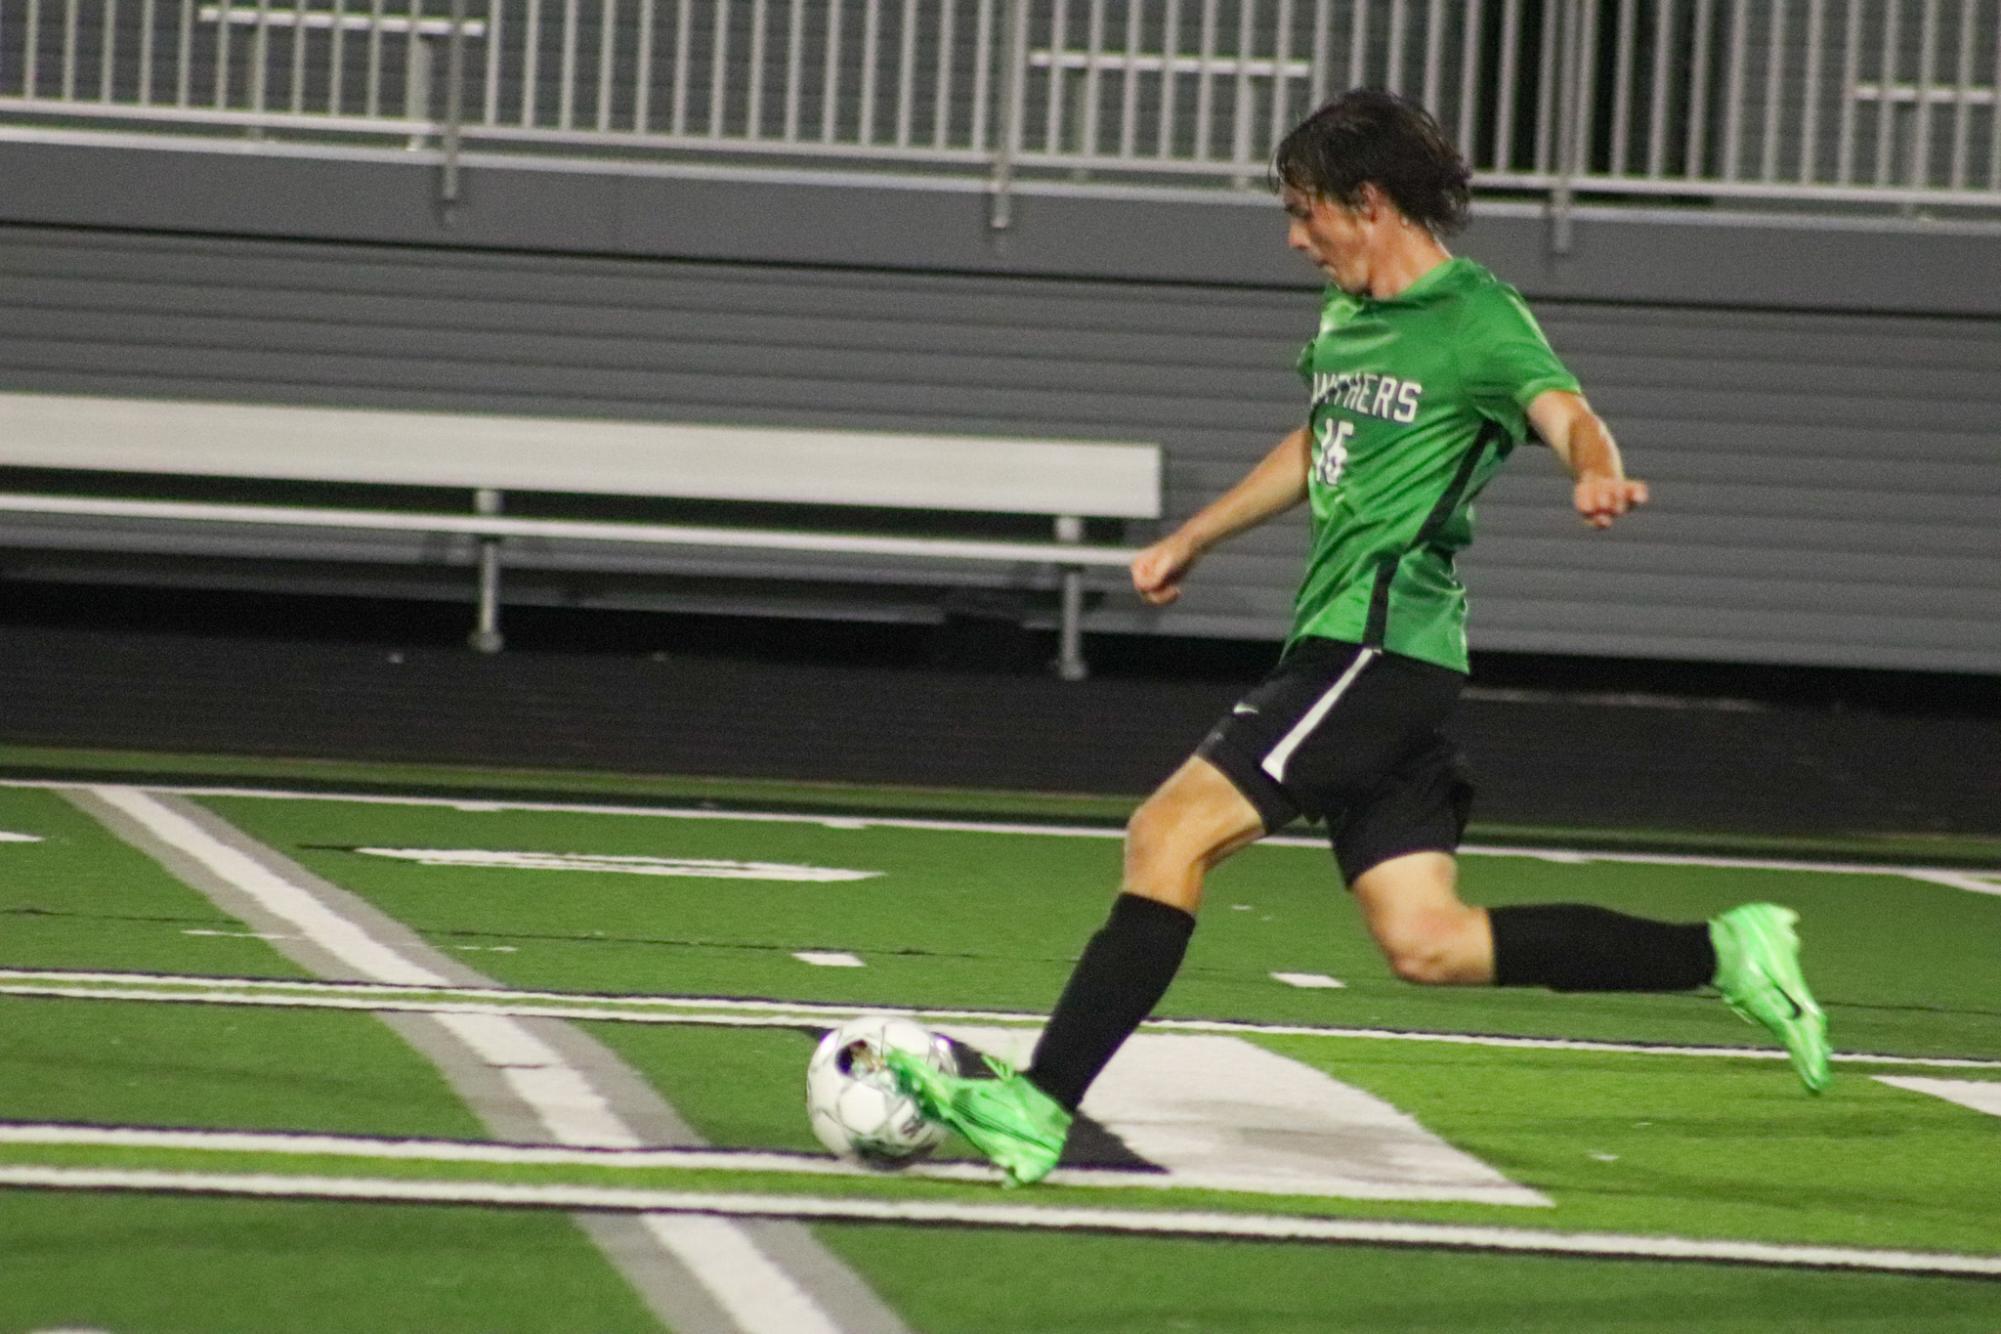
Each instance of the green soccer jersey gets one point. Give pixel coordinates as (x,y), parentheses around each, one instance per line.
(1416,401)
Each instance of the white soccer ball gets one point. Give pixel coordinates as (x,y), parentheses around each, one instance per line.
(852,1098)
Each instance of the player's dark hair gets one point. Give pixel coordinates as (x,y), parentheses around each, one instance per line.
(1370,135)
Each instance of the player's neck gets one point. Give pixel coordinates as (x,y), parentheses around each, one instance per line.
(1406,255)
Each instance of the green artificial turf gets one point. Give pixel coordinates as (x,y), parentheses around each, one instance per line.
(82,899)
(987,1282)
(135,1063)
(45,762)
(993,920)
(1620,1142)
(183,1265)
(1697,1146)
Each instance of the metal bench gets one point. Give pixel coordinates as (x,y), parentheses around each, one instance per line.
(1065,482)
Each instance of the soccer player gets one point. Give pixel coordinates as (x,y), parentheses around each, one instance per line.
(1424,375)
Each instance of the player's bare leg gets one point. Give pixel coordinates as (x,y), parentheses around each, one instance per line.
(1412,907)
(1190,824)
(1195,820)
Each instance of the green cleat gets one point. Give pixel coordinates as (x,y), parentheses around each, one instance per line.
(1758,972)
(1007,1118)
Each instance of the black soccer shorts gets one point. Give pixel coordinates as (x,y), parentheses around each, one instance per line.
(1352,736)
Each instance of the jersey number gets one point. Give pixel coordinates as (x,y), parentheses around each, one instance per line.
(1332,455)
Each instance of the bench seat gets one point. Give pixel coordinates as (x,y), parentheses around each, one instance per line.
(487,455)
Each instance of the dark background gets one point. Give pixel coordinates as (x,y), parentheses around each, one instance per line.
(1573,742)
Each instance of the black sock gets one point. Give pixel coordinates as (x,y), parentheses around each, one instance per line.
(1124,972)
(1575,947)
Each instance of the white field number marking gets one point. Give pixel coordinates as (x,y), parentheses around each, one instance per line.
(699,867)
(1980,1095)
(1220,1113)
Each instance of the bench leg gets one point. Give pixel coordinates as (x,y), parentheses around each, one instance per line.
(1070,641)
(1070,664)
(486,636)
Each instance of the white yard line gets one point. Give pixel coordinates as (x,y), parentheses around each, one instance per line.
(416,1005)
(723,1012)
(1972,882)
(759,1295)
(471,1151)
(33,1134)
(1564,856)
(1252,1227)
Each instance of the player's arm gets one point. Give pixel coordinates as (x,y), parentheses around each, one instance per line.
(1602,492)
(1275,485)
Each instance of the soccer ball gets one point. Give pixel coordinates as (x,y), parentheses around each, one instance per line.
(852,1098)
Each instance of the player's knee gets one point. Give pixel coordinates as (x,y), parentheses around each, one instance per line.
(1168,843)
(1430,949)
(1156,838)
(1418,960)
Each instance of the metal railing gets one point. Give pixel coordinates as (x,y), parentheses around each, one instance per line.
(1805,102)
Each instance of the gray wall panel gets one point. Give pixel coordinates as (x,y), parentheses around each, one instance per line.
(1826,481)
(1693,256)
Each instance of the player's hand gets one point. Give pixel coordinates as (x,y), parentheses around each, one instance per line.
(1157,571)
(1601,498)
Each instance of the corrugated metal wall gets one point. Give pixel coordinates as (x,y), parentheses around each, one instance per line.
(1826,484)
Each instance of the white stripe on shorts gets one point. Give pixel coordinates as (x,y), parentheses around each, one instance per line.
(1275,762)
